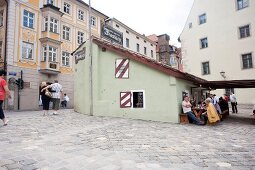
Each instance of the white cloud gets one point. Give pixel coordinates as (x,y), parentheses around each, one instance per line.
(148,16)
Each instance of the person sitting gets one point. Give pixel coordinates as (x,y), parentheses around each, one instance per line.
(186,106)
(212,114)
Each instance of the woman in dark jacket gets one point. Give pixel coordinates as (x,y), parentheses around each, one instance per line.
(45,98)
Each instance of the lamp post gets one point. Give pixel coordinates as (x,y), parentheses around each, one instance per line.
(90,68)
(222,73)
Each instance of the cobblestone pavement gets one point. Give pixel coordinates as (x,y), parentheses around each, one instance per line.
(75,141)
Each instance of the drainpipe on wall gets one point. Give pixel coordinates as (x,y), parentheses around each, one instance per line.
(5,48)
(90,69)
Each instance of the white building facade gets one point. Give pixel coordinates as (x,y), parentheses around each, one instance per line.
(218,43)
(133,40)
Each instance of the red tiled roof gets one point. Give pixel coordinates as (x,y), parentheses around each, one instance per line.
(147,61)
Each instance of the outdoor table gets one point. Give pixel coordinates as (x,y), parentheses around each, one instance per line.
(198,111)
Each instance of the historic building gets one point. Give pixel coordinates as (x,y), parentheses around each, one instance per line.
(218,43)
(166,53)
(132,40)
(41,34)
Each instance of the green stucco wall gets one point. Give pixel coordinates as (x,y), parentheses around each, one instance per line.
(162,92)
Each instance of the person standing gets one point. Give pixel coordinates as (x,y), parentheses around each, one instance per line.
(45,98)
(56,95)
(186,106)
(233,103)
(64,102)
(3,91)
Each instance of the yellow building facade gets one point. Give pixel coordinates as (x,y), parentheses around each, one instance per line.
(41,35)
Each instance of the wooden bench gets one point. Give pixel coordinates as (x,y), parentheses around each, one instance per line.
(184,118)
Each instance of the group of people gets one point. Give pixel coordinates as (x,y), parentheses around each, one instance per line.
(52,92)
(210,115)
(215,107)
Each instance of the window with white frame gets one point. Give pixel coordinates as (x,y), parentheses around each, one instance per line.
(66,33)
(205,68)
(46,24)
(52,54)
(244,31)
(45,52)
(145,50)
(67,8)
(27,51)
(203,43)
(65,59)
(242,4)
(138,99)
(28,19)
(1,18)
(80,37)
(81,15)
(127,42)
(138,48)
(93,21)
(51,2)
(1,47)
(202,19)
(247,61)
(53,25)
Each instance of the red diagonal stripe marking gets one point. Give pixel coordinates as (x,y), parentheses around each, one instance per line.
(119,66)
(124,104)
(123,97)
(124,71)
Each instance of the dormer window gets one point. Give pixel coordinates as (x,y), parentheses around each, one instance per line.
(51,2)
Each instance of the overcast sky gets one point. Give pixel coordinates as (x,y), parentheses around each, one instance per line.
(148,16)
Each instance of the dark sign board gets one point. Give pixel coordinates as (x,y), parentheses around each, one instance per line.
(80,55)
(111,34)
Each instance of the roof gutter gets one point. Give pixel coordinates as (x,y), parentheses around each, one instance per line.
(5,43)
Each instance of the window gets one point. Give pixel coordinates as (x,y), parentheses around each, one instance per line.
(127,32)
(53,25)
(80,37)
(244,31)
(66,33)
(28,19)
(151,53)
(46,24)
(138,99)
(66,8)
(242,4)
(117,26)
(205,68)
(51,2)
(145,41)
(145,50)
(1,18)
(93,21)
(190,25)
(65,59)
(127,42)
(27,50)
(81,15)
(137,37)
(203,43)
(202,19)
(1,44)
(137,47)
(247,61)
(44,53)
(52,54)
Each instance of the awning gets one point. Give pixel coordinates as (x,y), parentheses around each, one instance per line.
(225,84)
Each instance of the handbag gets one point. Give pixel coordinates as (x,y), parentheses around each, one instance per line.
(48,94)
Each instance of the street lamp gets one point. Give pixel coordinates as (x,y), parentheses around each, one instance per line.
(222,73)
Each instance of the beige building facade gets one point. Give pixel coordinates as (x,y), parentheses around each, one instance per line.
(133,40)
(41,35)
(218,43)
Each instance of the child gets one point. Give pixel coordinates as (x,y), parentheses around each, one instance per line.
(64,102)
